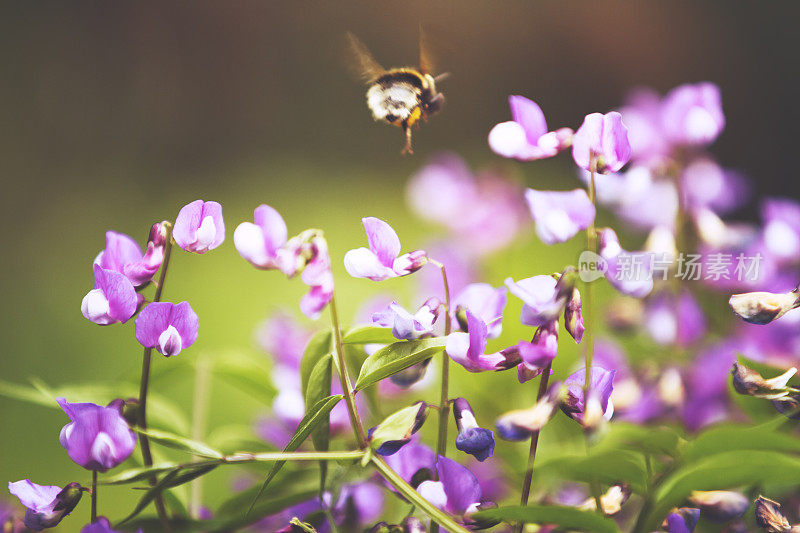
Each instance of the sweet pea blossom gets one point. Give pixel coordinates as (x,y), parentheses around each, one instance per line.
(97,437)
(628,272)
(520,424)
(485,302)
(692,114)
(457,491)
(262,243)
(601,387)
(525,136)
(467,349)
(123,255)
(199,227)
(560,215)
(601,143)
(674,319)
(406,326)
(537,355)
(46,505)
(113,299)
(539,294)
(382,260)
(471,439)
(167,327)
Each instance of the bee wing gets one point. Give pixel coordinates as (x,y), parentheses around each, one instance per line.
(426,58)
(362,62)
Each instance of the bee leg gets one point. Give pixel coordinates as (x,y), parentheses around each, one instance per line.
(407,148)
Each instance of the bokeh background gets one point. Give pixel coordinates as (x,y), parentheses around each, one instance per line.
(114,115)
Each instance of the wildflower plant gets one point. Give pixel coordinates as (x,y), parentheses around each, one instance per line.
(668,419)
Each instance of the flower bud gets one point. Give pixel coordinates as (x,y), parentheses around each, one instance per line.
(720,505)
(681,520)
(763,307)
(411,375)
(520,424)
(396,430)
(612,500)
(159,233)
(480,523)
(471,439)
(751,383)
(573,318)
(411,262)
(46,505)
(769,516)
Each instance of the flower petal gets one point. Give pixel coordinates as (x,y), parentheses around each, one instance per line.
(383,240)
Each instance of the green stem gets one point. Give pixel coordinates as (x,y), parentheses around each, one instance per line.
(202,386)
(94,496)
(526,484)
(439,517)
(147,455)
(344,378)
(588,311)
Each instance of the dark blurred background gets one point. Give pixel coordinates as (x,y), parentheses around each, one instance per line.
(115,114)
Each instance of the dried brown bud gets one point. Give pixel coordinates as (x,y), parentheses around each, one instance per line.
(751,383)
(769,516)
(763,307)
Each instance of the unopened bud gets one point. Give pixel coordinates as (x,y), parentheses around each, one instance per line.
(612,500)
(769,516)
(411,262)
(751,383)
(411,375)
(763,307)
(159,233)
(573,318)
(720,505)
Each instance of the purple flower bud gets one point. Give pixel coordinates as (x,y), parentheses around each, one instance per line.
(751,383)
(199,227)
(600,393)
(764,307)
(46,505)
(262,243)
(543,304)
(520,424)
(692,114)
(560,215)
(601,142)
(167,327)
(471,439)
(97,437)
(112,300)
(467,349)
(405,325)
(525,137)
(411,375)
(123,255)
(573,318)
(396,430)
(380,261)
(358,504)
(769,516)
(682,520)
(102,525)
(720,505)
(537,355)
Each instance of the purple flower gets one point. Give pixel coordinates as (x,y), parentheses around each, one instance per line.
(560,215)
(414,463)
(601,142)
(123,255)
(707,386)
(471,438)
(692,114)
(682,520)
(467,349)
(525,136)
(642,116)
(520,424)
(537,355)
(319,278)
(672,319)
(396,430)
(457,491)
(720,505)
(781,231)
(485,302)
(97,437)
(199,227)
(542,303)
(282,337)
(167,327)
(102,525)
(406,326)
(628,272)
(601,387)
(46,505)
(380,261)
(358,504)
(262,243)
(112,300)
(707,185)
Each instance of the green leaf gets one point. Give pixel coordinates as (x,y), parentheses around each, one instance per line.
(614,466)
(723,471)
(399,425)
(139,473)
(319,387)
(653,440)
(181,443)
(396,357)
(738,437)
(314,416)
(318,347)
(369,335)
(247,373)
(568,518)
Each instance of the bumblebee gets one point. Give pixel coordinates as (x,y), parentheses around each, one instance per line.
(398,96)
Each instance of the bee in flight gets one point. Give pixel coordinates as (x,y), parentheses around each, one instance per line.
(398,96)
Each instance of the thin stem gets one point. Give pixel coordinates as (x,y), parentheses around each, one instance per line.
(439,517)
(444,398)
(147,455)
(94,496)
(588,300)
(526,484)
(344,378)
(202,392)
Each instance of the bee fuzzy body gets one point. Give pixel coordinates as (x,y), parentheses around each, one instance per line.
(402,96)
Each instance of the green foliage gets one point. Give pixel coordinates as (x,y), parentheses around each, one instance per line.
(397,426)
(611,467)
(568,518)
(246,372)
(181,443)
(318,347)
(369,335)
(396,357)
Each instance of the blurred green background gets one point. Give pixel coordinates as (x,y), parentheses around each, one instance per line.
(114,115)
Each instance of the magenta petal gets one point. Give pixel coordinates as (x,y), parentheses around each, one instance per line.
(214,210)
(186,322)
(616,147)
(560,215)
(460,485)
(119,292)
(529,115)
(477,336)
(364,263)
(383,240)
(485,302)
(33,496)
(273,226)
(152,321)
(120,250)
(187,222)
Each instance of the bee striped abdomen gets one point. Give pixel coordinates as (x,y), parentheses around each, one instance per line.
(395,97)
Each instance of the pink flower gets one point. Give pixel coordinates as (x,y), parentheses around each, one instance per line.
(692,114)
(167,327)
(199,227)
(560,215)
(112,300)
(382,260)
(123,255)
(603,140)
(262,243)
(525,136)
